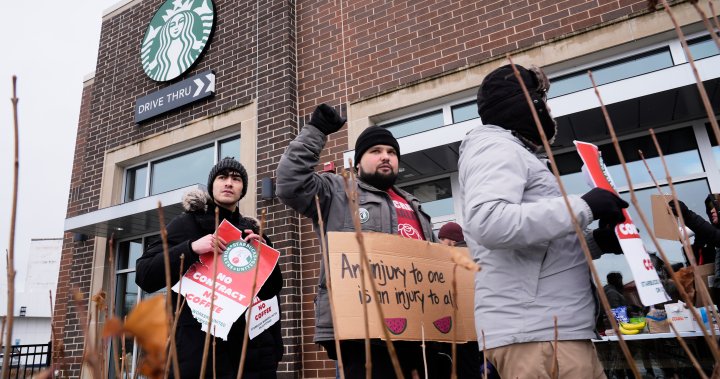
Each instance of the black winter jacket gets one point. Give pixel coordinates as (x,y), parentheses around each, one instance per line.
(264,351)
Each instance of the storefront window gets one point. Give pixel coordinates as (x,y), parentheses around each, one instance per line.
(416,124)
(127,294)
(618,70)
(435,196)
(703,47)
(464,112)
(229,148)
(180,170)
(136,183)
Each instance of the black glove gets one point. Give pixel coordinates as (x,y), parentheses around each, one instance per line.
(605,205)
(325,118)
(606,239)
(683,208)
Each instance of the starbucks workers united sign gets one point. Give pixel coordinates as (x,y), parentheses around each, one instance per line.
(175,38)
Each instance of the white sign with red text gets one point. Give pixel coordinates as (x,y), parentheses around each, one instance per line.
(263,315)
(648,283)
(232,282)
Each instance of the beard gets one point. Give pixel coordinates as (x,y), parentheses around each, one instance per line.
(377,179)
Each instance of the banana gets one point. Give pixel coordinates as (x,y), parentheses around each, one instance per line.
(628,331)
(633,326)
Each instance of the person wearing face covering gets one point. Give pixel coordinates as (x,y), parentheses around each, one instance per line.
(518,228)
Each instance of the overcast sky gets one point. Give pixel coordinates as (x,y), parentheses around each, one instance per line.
(51,46)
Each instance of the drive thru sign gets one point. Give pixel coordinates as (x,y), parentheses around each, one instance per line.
(648,284)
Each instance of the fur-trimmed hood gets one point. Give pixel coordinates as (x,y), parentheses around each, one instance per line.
(198,200)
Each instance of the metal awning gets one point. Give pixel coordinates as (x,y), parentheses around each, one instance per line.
(132,218)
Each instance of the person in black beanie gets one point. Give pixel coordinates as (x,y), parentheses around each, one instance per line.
(192,234)
(384,208)
(518,228)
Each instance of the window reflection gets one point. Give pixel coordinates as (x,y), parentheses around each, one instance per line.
(136,183)
(435,196)
(128,253)
(703,47)
(229,148)
(614,71)
(417,124)
(691,193)
(678,146)
(464,112)
(181,170)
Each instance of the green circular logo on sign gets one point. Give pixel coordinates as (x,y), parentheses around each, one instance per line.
(175,38)
(240,256)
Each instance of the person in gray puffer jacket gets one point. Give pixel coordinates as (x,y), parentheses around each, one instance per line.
(383,208)
(519,230)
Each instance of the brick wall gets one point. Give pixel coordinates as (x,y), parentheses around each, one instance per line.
(107,121)
(390,45)
(386,46)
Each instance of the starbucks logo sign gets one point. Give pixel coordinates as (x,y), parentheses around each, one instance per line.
(240,256)
(175,38)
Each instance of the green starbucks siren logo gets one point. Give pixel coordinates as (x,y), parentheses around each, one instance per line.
(176,37)
(240,256)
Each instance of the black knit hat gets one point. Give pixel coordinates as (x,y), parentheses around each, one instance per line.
(501,102)
(374,135)
(228,163)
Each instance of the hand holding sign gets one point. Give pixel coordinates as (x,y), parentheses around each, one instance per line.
(648,283)
(230,289)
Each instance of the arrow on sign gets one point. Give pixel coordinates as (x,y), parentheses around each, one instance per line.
(200,83)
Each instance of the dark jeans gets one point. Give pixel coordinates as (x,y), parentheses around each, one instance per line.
(409,354)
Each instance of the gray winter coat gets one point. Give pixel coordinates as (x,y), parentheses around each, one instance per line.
(518,228)
(297,185)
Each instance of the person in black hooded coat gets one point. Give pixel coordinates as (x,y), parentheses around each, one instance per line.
(707,237)
(191,234)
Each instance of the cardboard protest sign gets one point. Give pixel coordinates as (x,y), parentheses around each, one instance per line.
(235,272)
(663,224)
(648,283)
(414,284)
(263,315)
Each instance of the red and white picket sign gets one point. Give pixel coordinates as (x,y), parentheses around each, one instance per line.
(235,271)
(648,283)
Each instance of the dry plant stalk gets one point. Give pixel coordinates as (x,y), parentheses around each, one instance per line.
(688,299)
(368,361)
(706,22)
(352,195)
(453,346)
(84,320)
(206,346)
(111,304)
(633,197)
(178,306)
(673,274)
(687,351)
(11,250)
(554,373)
(172,353)
(422,345)
(578,231)
(703,289)
(328,283)
(248,312)
(715,19)
(701,88)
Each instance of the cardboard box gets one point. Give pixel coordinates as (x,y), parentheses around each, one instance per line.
(680,317)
